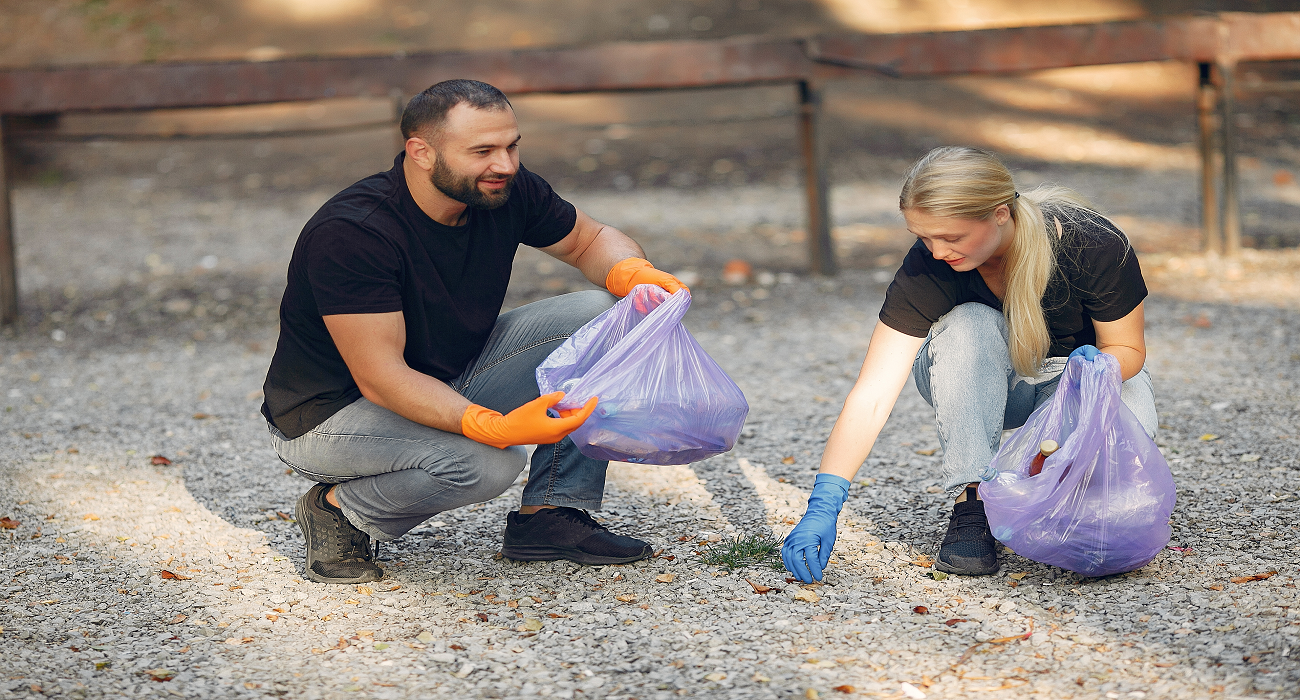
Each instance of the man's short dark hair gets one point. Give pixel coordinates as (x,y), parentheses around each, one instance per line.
(427,111)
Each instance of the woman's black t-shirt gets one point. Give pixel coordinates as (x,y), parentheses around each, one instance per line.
(1097,278)
(371,249)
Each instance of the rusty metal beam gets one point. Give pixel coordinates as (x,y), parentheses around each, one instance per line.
(816,181)
(654,65)
(8,255)
(1207,105)
(613,67)
(1025,48)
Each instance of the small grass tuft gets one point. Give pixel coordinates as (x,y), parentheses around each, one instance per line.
(744,551)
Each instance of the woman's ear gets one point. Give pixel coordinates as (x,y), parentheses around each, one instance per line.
(1002,214)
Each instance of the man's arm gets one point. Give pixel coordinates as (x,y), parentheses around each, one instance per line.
(594,248)
(372,346)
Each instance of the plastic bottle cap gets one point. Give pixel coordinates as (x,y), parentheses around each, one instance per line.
(1047,447)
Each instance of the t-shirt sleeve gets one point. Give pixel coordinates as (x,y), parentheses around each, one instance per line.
(352,270)
(548,218)
(919,295)
(1111,283)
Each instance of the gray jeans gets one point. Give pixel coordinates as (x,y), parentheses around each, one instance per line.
(964,371)
(395,473)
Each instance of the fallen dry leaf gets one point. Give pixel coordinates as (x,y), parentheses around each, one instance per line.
(665,578)
(512,603)
(1217,587)
(177,620)
(234,642)
(921,610)
(9,523)
(285,516)
(1252,577)
(531,624)
(365,590)
(482,617)
(759,589)
(556,615)
(203,416)
(787,460)
(821,618)
(928,453)
(165,574)
(954,621)
(1209,437)
(807,595)
(789,579)
(715,677)
(683,538)
(160,674)
(846,689)
(159,461)
(90,516)
(923,561)
(626,598)
(1018,576)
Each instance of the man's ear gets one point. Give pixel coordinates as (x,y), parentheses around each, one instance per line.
(420,152)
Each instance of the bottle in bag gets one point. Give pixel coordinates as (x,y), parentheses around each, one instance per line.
(1045,450)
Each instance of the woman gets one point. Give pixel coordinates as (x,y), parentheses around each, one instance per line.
(998,290)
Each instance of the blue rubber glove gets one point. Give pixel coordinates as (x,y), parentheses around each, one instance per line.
(807,548)
(1086,351)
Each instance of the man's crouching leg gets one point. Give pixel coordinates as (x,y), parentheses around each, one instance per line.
(382,476)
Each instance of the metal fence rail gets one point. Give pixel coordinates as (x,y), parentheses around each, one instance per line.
(1217,43)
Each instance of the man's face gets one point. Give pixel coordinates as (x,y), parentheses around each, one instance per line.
(476,156)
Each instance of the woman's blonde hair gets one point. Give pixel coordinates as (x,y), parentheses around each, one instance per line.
(967,183)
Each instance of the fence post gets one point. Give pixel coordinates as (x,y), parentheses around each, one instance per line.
(1207,102)
(1231,188)
(821,250)
(8,255)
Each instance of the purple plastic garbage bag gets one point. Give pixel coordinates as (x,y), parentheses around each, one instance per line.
(663,400)
(1102,503)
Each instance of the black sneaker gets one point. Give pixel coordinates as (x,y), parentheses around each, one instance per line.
(568,533)
(337,552)
(968,548)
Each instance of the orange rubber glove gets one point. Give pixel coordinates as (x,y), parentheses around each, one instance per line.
(630,272)
(526,425)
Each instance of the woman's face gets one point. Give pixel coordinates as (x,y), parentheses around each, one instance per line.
(965,244)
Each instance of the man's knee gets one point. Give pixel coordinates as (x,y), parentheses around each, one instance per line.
(583,306)
(483,472)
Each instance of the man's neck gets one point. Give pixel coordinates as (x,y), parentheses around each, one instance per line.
(435,204)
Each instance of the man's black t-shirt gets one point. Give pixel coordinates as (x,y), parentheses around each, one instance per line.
(371,249)
(1097,278)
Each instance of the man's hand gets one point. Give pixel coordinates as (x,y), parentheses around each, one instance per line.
(527,425)
(630,272)
(807,549)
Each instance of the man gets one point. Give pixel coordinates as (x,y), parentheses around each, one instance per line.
(395,384)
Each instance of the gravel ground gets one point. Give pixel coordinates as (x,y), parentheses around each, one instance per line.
(133,356)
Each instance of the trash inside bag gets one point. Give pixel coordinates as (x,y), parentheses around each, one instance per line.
(663,400)
(1101,503)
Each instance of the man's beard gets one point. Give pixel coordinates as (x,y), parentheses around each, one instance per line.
(465,189)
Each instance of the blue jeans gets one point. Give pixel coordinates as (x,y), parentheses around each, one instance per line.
(393,473)
(964,371)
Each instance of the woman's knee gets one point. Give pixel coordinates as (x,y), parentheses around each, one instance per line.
(971,328)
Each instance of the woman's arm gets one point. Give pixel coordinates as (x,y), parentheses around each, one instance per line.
(1126,340)
(884,373)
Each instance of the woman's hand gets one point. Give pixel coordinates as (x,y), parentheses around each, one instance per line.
(807,549)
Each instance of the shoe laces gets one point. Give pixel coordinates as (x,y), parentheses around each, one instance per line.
(967,524)
(355,545)
(580,517)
